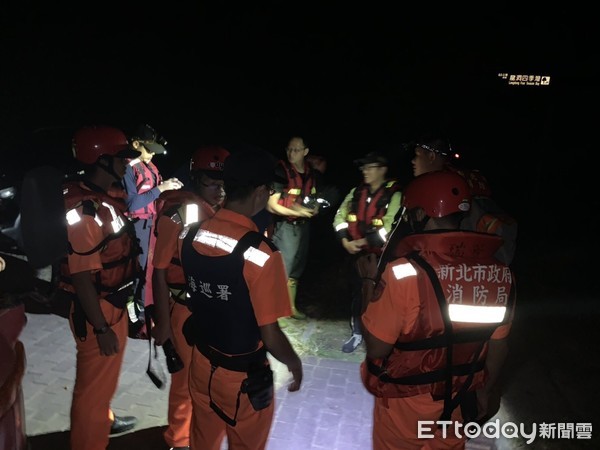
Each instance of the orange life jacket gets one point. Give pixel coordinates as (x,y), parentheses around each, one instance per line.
(118,250)
(486,216)
(298,186)
(444,354)
(475,179)
(366,210)
(171,204)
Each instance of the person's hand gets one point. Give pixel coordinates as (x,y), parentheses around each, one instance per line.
(488,401)
(296,370)
(161,333)
(303,211)
(108,343)
(353,247)
(170,184)
(483,398)
(2,264)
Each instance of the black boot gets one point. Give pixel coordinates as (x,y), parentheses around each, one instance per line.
(122,424)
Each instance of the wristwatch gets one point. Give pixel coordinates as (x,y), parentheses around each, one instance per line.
(102,330)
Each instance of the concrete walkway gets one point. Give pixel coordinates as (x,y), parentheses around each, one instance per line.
(331,411)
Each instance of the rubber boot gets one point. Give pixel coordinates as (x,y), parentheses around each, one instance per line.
(292,289)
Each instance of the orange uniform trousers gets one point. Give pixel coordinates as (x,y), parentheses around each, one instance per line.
(96,380)
(208,429)
(395,424)
(177,433)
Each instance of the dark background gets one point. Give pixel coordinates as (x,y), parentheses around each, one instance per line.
(349,78)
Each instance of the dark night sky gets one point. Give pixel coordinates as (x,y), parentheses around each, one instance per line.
(350,78)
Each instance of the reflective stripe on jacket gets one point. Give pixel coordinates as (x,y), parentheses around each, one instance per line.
(464,295)
(118,250)
(218,296)
(183,208)
(365,214)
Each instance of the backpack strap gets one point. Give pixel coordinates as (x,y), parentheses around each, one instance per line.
(450,403)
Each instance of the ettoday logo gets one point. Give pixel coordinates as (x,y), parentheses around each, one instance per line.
(508,430)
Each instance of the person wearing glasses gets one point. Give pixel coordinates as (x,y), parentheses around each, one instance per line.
(433,152)
(175,210)
(291,228)
(362,223)
(143,184)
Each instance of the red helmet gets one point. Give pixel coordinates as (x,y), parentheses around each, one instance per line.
(91,142)
(439,193)
(209,158)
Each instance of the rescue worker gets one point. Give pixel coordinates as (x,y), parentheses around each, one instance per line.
(179,208)
(291,228)
(143,183)
(98,275)
(432,153)
(361,223)
(436,329)
(237,290)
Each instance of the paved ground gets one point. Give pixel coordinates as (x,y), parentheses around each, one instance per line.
(546,380)
(332,405)
(332,411)
(549,380)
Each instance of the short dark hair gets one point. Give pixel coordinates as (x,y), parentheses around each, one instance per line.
(299,136)
(237,192)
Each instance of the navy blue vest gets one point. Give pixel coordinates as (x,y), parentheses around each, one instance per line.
(222,313)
